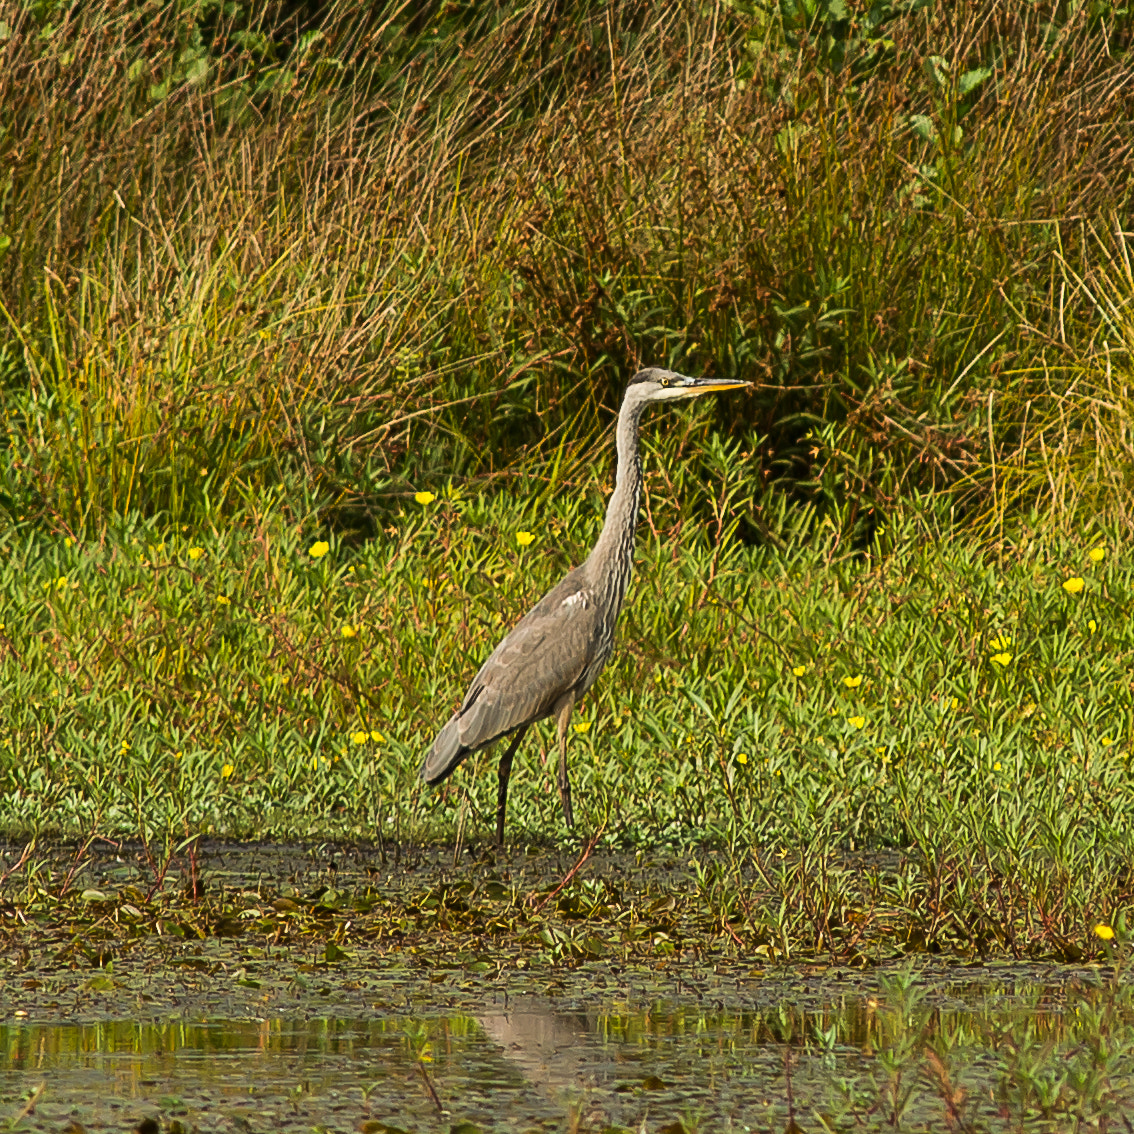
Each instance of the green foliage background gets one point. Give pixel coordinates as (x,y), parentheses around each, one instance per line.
(272,275)
(347,251)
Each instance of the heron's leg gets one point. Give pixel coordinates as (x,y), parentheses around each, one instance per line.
(563,713)
(504,773)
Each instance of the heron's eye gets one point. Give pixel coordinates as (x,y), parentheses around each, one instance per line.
(665,381)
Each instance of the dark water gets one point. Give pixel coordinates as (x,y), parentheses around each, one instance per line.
(105,1029)
(537,1064)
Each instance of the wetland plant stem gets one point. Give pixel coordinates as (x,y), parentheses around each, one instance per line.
(733,934)
(792,1127)
(587,850)
(80,856)
(25,854)
(460,830)
(429,1085)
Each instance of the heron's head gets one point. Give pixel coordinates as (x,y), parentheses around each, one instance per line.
(656,385)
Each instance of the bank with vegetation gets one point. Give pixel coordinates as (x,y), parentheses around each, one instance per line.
(314,320)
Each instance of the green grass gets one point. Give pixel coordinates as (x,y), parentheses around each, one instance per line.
(791,707)
(230,649)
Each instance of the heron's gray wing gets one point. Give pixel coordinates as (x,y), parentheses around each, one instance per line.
(544,656)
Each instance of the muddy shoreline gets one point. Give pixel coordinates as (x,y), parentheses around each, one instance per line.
(267,987)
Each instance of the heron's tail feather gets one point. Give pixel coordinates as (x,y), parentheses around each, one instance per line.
(445,755)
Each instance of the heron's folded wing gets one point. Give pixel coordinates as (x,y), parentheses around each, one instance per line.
(543,657)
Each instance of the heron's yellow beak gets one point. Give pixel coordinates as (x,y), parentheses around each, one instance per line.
(713,385)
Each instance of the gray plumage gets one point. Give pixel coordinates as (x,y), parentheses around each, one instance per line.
(555,652)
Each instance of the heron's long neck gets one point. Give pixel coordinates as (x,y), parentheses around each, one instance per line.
(612,560)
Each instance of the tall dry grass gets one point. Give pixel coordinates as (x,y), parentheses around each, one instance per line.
(343,253)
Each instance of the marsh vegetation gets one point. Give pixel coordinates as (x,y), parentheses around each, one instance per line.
(313,320)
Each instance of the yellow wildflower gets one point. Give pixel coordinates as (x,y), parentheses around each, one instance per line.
(377,737)
(424,497)
(348,631)
(196,553)
(1096,554)
(1106,741)
(1104,932)
(798,670)
(524,538)
(223,600)
(856,722)
(1073,585)
(582,727)
(996,766)
(1092,625)
(227,771)
(318,549)
(1000,643)
(853,682)
(359,737)
(1002,659)
(742,757)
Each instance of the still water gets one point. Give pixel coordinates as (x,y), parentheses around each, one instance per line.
(895,1059)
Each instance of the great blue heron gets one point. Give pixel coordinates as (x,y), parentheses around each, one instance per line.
(557,650)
